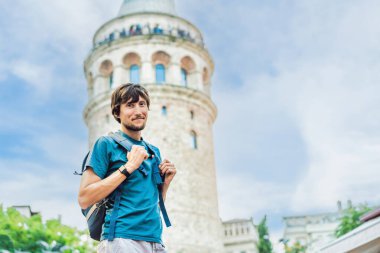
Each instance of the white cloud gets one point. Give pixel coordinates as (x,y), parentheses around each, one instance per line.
(241,196)
(47,40)
(39,77)
(331,91)
(41,175)
(326,83)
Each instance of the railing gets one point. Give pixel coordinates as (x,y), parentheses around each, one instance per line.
(138,30)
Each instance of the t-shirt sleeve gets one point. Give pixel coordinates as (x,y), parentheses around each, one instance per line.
(98,158)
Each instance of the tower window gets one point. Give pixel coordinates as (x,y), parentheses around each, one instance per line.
(191,114)
(184,77)
(111,79)
(164,111)
(194,141)
(160,73)
(134,75)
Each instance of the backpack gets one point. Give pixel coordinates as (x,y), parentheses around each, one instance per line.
(96,213)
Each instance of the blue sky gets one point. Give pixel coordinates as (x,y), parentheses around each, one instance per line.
(297,86)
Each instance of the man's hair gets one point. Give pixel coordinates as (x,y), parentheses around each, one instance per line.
(124,93)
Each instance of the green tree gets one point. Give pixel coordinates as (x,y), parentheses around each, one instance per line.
(351,219)
(264,245)
(6,243)
(19,233)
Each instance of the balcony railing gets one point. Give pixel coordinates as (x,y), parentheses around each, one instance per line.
(139,30)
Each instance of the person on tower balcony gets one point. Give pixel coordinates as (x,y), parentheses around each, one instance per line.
(141,177)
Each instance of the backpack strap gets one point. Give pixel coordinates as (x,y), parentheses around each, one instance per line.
(122,141)
(83,165)
(115,212)
(159,181)
(127,145)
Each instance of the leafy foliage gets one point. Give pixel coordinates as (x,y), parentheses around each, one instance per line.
(264,245)
(19,233)
(297,247)
(351,219)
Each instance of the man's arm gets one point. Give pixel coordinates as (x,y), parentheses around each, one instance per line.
(93,189)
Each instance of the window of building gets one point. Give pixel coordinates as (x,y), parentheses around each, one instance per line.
(160,73)
(184,77)
(194,143)
(191,114)
(134,75)
(164,111)
(106,69)
(111,79)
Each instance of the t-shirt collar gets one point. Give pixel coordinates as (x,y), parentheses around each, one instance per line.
(131,139)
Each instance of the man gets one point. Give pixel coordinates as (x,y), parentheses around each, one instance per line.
(138,226)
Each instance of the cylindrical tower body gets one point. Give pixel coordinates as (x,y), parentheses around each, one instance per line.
(166,54)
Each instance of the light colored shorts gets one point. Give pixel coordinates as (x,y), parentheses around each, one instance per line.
(121,245)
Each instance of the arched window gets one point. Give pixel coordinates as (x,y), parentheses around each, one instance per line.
(134,75)
(194,143)
(183,77)
(111,79)
(205,76)
(188,73)
(164,111)
(106,69)
(161,62)
(160,73)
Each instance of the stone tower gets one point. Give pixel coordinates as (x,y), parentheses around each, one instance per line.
(148,43)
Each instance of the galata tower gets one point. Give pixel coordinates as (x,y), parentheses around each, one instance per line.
(148,43)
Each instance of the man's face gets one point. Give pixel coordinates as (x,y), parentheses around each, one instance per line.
(133,116)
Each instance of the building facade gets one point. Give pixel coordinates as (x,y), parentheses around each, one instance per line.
(313,231)
(148,43)
(240,236)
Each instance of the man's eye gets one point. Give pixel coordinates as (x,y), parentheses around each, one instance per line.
(142,104)
(130,105)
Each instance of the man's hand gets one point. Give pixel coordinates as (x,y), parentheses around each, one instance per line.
(135,157)
(168,169)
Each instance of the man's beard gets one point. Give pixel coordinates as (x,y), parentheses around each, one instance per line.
(133,127)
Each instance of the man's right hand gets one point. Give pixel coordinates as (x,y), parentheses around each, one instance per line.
(135,157)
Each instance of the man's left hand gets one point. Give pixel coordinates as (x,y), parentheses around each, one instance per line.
(168,169)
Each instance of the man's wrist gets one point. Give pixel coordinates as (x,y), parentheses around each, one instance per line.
(125,170)
(129,167)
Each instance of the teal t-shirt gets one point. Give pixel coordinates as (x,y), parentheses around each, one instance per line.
(139,214)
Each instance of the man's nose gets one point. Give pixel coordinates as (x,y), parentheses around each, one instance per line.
(138,110)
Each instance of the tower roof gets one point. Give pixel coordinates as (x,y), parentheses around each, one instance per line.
(137,6)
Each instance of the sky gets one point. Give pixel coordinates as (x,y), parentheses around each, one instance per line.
(296,83)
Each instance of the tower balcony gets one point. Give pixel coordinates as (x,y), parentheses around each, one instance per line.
(138,30)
